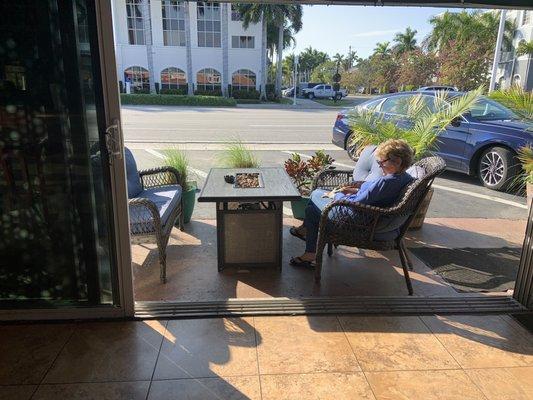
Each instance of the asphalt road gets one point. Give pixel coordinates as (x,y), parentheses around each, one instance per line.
(273,132)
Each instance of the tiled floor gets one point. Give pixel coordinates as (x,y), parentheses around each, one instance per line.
(193,276)
(313,357)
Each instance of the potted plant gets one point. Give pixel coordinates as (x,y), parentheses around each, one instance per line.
(178,159)
(525,155)
(302,174)
(237,155)
(425,123)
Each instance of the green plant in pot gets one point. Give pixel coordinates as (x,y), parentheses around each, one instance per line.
(302,174)
(525,155)
(178,159)
(422,120)
(237,155)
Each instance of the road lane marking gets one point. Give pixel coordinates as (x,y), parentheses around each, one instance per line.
(286,210)
(449,189)
(290,126)
(307,156)
(481,196)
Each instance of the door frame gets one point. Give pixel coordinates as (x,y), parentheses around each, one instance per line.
(122,277)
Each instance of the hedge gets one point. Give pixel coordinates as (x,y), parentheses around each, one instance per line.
(179,91)
(245,94)
(215,92)
(176,100)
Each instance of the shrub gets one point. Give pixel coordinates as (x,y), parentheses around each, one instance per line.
(245,94)
(176,158)
(174,100)
(248,101)
(270,92)
(237,155)
(303,172)
(138,90)
(179,91)
(409,88)
(216,92)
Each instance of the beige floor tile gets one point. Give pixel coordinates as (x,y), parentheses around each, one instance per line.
(27,351)
(17,392)
(504,383)
(230,388)
(94,391)
(423,385)
(482,341)
(303,345)
(338,386)
(110,351)
(395,343)
(200,348)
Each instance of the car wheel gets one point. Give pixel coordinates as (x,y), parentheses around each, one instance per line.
(351,149)
(338,96)
(311,96)
(497,168)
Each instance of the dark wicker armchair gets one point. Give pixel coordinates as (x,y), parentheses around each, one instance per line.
(356,225)
(155,204)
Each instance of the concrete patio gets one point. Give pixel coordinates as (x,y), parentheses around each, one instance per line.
(193,276)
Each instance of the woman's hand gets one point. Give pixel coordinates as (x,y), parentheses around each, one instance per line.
(349,190)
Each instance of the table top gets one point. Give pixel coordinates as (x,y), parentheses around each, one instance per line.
(277,186)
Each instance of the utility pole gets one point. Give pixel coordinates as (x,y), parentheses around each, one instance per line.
(497,51)
(295,79)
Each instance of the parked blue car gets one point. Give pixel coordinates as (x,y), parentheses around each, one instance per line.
(483,143)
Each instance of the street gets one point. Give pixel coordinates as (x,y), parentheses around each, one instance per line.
(274,133)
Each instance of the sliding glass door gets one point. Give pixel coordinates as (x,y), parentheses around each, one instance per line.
(58,231)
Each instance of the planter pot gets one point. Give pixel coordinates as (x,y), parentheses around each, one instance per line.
(418,220)
(189,200)
(529,192)
(298,207)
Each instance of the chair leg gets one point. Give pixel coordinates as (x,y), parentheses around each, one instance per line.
(162,263)
(406,254)
(330,249)
(181,223)
(405,271)
(318,267)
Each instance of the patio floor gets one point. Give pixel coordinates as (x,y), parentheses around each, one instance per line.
(193,276)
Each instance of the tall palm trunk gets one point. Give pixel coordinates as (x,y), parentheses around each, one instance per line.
(279,51)
(190,78)
(263,57)
(147,26)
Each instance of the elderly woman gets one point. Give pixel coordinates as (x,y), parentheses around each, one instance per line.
(394,157)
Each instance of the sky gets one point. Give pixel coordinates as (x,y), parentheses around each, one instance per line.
(334,28)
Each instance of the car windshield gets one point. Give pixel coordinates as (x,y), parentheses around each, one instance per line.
(486,110)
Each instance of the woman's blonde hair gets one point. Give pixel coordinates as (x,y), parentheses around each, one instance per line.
(396,149)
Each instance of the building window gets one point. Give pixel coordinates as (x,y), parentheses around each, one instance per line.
(235,14)
(138,77)
(135,21)
(243,42)
(173,13)
(208,24)
(173,78)
(243,79)
(208,79)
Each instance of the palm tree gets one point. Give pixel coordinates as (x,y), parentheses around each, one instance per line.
(277,15)
(405,41)
(350,60)
(525,48)
(147,27)
(382,49)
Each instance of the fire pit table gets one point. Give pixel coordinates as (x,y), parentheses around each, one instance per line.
(249,204)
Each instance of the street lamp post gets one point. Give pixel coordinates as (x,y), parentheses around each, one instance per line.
(295,79)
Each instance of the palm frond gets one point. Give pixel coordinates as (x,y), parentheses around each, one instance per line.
(517,99)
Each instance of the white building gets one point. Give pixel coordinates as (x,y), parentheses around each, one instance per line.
(513,70)
(221,51)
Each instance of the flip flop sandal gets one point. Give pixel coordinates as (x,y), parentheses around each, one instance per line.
(298,262)
(294,232)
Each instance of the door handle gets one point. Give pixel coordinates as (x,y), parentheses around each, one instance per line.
(113,140)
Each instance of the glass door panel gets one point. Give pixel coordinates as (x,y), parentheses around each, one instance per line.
(56,231)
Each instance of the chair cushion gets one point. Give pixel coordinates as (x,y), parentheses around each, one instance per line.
(166,198)
(367,167)
(132,175)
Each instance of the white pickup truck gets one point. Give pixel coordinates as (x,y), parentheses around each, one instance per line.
(323,91)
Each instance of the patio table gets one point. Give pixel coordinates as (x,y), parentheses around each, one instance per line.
(249,220)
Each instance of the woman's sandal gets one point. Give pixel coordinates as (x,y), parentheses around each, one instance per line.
(298,262)
(294,232)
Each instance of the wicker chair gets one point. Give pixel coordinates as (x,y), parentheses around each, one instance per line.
(356,225)
(155,204)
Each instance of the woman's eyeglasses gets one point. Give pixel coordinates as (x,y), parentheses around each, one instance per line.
(381,162)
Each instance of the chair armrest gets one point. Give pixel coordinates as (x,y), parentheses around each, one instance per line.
(160,176)
(144,213)
(332,178)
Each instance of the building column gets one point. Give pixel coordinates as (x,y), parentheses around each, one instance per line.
(188,44)
(224,42)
